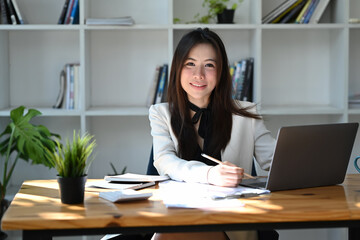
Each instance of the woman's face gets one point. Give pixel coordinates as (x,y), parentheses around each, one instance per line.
(199,74)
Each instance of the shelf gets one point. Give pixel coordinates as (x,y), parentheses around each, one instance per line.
(303,26)
(216,26)
(31,27)
(118,111)
(134,27)
(300,110)
(354,111)
(45,112)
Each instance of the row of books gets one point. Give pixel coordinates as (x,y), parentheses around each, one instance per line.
(242,73)
(158,88)
(10,12)
(297,11)
(70,12)
(68,97)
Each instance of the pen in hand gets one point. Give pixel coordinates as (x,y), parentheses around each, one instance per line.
(219,162)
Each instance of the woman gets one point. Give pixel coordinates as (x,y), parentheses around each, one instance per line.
(201,117)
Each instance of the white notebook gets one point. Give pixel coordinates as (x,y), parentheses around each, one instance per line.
(133,177)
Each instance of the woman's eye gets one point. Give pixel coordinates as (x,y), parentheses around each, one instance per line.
(189,64)
(210,65)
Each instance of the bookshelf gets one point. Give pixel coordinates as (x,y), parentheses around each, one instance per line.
(303,73)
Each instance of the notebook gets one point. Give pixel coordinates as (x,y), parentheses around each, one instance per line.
(309,156)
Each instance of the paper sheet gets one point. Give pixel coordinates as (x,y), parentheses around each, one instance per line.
(197,195)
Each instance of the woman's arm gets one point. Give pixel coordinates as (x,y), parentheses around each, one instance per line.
(165,143)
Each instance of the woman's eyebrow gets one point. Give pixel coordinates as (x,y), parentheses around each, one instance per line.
(209,59)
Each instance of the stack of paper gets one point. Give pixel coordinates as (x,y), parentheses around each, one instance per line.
(197,195)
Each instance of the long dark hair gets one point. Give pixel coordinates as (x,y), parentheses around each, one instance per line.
(222,104)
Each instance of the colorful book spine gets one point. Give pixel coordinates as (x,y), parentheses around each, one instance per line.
(74,13)
(299,17)
(311,11)
(63,12)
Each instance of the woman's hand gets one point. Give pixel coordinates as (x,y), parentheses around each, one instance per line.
(226,175)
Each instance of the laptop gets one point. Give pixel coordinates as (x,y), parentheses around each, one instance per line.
(309,156)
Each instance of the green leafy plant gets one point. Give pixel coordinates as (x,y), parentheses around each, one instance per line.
(215,7)
(27,141)
(74,159)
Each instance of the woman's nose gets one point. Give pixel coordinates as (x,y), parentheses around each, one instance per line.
(199,72)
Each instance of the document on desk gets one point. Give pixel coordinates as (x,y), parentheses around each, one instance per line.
(128,181)
(133,177)
(196,195)
(119,186)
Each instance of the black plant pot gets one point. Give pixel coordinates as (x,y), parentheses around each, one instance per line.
(72,189)
(227,16)
(4,204)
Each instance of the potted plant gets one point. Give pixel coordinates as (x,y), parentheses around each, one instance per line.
(72,162)
(23,140)
(222,9)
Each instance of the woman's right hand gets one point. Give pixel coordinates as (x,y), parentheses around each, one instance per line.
(226,175)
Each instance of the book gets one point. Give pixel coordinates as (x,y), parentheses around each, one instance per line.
(157,84)
(11,12)
(71,88)
(18,14)
(76,86)
(279,11)
(152,90)
(122,21)
(354,101)
(162,86)
(68,97)
(63,12)
(60,97)
(311,11)
(354,20)
(241,75)
(301,14)
(286,11)
(318,12)
(291,16)
(68,12)
(246,93)
(74,16)
(308,11)
(236,77)
(3,12)
(270,15)
(133,178)
(66,104)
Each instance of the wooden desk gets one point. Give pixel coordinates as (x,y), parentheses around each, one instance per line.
(36,209)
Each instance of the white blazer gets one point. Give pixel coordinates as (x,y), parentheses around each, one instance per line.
(249,139)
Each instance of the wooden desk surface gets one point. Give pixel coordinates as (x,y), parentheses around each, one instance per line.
(37,206)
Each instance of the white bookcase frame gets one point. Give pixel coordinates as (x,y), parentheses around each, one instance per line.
(304,73)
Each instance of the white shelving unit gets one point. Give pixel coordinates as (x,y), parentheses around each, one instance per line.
(303,73)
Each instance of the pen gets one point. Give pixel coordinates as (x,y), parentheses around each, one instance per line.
(219,162)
